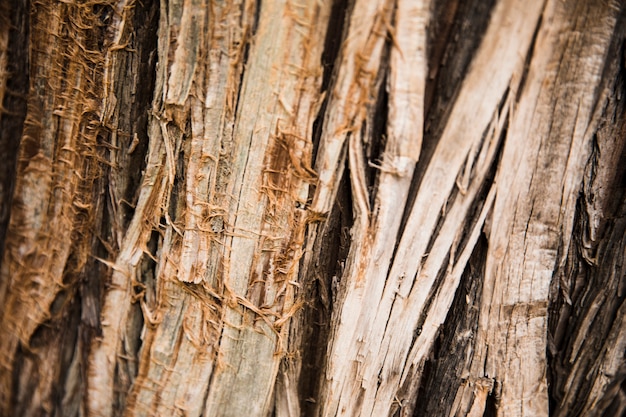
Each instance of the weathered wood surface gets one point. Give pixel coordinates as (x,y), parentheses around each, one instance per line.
(365,208)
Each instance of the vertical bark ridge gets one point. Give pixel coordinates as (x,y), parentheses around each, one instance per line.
(53,216)
(322,266)
(546,150)
(327,241)
(182,321)
(394,170)
(270,216)
(198,136)
(351,92)
(586,328)
(367,383)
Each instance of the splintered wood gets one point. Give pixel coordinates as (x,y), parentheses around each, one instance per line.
(252,208)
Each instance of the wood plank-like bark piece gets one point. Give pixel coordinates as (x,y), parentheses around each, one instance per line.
(277,105)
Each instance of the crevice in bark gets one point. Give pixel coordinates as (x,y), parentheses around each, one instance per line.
(247,39)
(140,67)
(43,366)
(441,219)
(318,124)
(127,367)
(177,201)
(529,56)
(14,17)
(123,141)
(481,196)
(453,348)
(472,218)
(454,35)
(90,283)
(376,127)
(253,27)
(148,271)
(491,406)
(331,249)
(465,305)
(441,275)
(342,234)
(335,34)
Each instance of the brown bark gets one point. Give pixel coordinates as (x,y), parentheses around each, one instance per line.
(388,207)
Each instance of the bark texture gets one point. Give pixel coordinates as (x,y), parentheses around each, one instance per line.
(322,208)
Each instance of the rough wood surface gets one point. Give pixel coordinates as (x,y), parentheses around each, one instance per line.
(323,208)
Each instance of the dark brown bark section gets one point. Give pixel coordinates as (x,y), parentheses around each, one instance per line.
(453,349)
(15,25)
(125,134)
(310,329)
(313,324)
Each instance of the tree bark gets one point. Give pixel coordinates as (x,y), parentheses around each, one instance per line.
(324,208)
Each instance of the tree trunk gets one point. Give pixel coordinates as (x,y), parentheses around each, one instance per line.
(322,208)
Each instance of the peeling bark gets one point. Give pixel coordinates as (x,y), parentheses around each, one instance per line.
(282,208)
